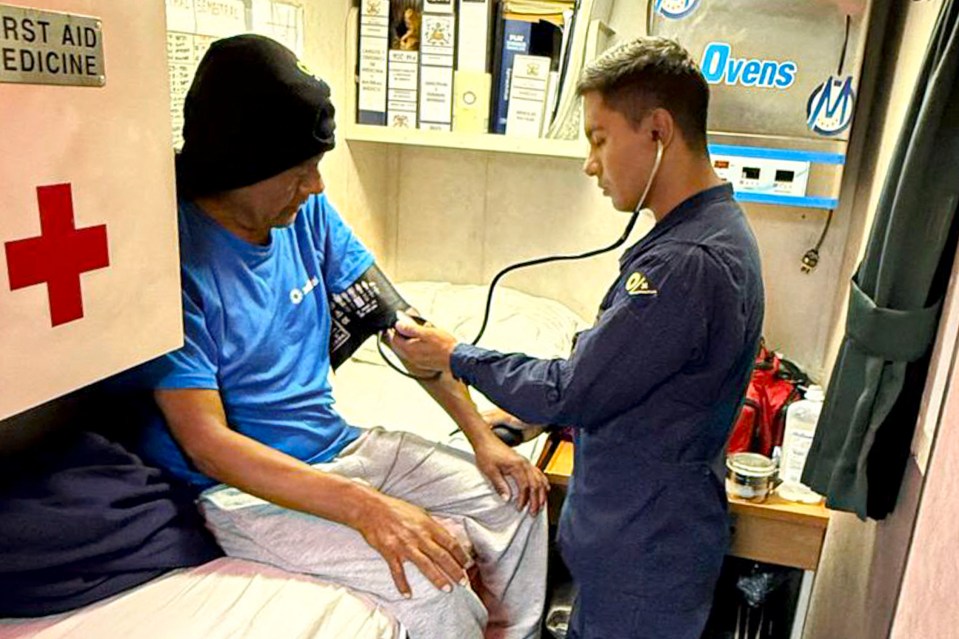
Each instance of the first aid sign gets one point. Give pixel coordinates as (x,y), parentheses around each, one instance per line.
(89,263)
(46,47)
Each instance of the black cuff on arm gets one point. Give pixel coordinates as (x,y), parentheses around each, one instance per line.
(367,306)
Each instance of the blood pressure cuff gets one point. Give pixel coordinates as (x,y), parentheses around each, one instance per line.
(368,306)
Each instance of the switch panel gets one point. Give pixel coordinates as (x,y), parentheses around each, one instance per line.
(763,176)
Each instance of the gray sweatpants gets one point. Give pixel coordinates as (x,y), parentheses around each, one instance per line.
(510,546)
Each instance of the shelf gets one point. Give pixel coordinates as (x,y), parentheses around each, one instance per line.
(559,467)
(775,507)
(572,149)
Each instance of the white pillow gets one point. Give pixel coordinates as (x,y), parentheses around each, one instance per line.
(518,322)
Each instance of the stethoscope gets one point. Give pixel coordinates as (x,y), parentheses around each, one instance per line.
(544,260)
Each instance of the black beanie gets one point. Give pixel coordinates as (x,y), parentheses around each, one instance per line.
(252,112)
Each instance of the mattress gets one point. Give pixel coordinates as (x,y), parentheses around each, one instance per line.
(225,598)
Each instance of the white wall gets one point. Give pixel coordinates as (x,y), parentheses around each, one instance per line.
(354,183)
(476,213)
(461,216)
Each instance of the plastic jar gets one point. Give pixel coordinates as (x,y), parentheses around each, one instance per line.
(749,476)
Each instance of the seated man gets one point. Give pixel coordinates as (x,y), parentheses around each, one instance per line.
(249,418)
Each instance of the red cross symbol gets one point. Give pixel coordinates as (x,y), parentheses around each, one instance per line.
(58,255)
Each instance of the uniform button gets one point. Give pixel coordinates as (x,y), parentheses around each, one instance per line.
(552,395)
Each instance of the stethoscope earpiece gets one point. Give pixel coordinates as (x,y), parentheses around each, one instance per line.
(660,147)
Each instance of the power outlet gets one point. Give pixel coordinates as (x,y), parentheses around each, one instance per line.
(764,176)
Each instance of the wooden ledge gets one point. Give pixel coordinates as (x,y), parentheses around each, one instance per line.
(776,531)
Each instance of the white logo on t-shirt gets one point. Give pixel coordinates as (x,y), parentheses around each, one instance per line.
(297,294)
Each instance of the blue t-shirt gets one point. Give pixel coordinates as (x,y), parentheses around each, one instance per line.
(256,328)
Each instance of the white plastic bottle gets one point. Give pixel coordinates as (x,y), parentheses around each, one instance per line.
(801,419)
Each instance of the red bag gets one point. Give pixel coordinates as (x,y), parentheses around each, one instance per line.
(774,385)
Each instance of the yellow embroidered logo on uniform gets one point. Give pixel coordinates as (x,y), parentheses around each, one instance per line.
(305,69)
(637,284)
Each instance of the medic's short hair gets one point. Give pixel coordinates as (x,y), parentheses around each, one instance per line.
(648,73)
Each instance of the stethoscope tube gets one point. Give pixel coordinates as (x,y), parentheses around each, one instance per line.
(548,259)
(579,256)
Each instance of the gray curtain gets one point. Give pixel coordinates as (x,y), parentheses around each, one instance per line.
(862,443)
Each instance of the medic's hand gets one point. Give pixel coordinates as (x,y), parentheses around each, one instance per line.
(403,532)
(497,461)
(499,417)
(424,347)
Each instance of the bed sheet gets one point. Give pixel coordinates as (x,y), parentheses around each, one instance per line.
(223,599)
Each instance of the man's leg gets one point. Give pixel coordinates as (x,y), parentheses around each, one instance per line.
(511,546)
(250,528)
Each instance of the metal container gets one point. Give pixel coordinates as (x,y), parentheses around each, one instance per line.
(784,83)
(750,476)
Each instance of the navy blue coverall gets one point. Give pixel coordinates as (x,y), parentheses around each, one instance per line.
(652,390)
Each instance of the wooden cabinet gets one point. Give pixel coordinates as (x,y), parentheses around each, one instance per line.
(776,531)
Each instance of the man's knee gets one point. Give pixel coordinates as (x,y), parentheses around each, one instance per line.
(460,608)
(501,514)
(535,526)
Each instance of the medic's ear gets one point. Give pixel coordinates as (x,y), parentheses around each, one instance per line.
(661,126)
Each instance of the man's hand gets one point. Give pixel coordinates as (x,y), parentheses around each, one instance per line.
(497,461)
(536,486)
(424,347)
(402,532)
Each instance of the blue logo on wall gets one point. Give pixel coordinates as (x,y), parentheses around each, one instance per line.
(718,65)
(675,9)
(830,107)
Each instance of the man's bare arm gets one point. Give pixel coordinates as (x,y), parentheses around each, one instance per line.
(496,460)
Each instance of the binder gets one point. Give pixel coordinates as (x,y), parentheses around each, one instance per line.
(373,45)
(472,49)
(471,101)
(513,38)
(437,48)
(518,34)
(527,96)
(402,99)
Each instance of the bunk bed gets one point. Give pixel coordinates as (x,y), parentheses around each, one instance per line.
(136,518)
